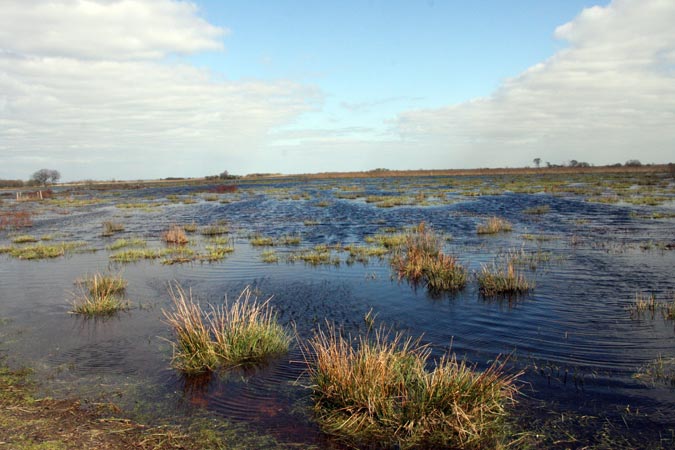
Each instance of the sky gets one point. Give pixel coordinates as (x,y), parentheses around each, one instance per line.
(145,89)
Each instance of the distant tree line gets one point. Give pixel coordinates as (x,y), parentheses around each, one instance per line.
(42,177)
(224,175)
(575,163)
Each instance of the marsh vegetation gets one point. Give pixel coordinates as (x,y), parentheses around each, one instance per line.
(453,260)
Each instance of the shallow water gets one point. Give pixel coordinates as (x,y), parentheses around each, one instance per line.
(572,336)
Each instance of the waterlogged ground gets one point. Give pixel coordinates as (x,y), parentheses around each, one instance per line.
(595,370)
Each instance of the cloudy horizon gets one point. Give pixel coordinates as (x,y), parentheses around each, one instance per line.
(134,89)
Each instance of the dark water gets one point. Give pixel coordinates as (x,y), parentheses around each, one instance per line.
(572,336)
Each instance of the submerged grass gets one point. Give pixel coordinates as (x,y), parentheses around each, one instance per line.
(420,259)
(100,295)
(379,391)
(243,332)
(494,225)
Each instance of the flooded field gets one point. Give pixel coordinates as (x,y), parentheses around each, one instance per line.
(594,335)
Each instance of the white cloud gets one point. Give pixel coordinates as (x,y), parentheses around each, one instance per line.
(89,94)
(608,97)
(105,29)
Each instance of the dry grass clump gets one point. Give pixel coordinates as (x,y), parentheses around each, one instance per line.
(420,258)
(243,332)
(379,391)
(175,235)
(494,280)
(100,295)
(110,228)
(494,225)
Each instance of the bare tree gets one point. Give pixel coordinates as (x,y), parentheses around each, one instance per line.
(45,176)
(537,162)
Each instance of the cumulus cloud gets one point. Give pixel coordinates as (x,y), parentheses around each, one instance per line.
(85,88)
(608,97)
(96,29)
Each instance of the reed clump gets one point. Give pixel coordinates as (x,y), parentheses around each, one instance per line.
(243,332)
(380,391)
(494,225)
(420,259)
(100,295)
(497,280)
(175,235)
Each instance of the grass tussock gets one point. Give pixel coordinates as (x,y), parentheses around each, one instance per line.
(420,259)
(100,295)
(507,280)
(23,239)
(110,228)
(380,391)
(242,332)
(494,225)
(175,235)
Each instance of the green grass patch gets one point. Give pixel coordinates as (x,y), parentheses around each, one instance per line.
(123,243)
(43,251)
(239,333)
(100,295)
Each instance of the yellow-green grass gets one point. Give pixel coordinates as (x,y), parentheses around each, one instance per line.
(130,242)
(259,240)
(239,333)
(269,256)
(100,295)
(502,280)
(319,255)
(24,239)
(380,391)
(217,252)
(388,240)
(420,259)
(136,254)
(363,253)
(214,230)
(289,239)
(42,251)
(494,225)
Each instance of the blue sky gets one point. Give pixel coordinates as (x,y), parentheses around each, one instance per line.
(130,89)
